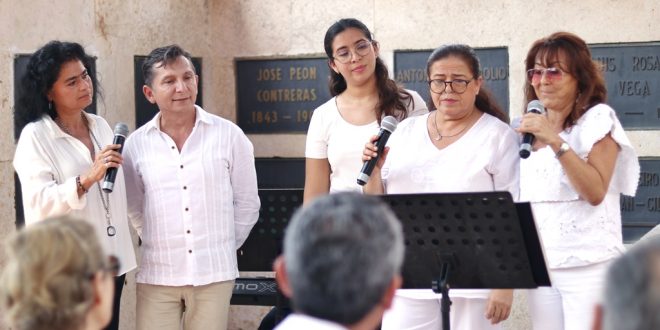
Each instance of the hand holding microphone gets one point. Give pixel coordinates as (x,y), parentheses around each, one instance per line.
(121,132)
(535,107)
(387,126)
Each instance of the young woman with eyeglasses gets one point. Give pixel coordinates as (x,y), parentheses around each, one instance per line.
(464,145)
(363,94)
(57,277)
(581,162)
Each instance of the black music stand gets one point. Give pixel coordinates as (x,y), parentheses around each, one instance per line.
(265,241)
(262,247)
(468,241)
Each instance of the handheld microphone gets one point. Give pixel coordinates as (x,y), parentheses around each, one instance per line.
(534,106)
(121,131)
(387,126)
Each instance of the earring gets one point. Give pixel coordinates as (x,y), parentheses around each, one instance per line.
(50,105)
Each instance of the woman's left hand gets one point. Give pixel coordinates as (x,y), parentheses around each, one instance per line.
(499,303)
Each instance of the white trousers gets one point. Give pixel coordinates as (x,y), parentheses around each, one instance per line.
(569,303)
(424,314)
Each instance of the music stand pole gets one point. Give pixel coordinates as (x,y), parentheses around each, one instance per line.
(441,286)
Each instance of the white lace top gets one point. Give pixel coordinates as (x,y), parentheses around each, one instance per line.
(573,232)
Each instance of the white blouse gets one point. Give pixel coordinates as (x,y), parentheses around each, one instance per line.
(485,158)
(331,137)
(575,233)
(48,160)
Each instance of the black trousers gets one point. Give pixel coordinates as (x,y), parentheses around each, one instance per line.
(119,286)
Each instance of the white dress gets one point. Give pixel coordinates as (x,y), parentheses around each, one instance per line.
(578,239)
(575,233)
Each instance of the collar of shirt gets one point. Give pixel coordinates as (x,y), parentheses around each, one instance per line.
(301,321)
(200,116)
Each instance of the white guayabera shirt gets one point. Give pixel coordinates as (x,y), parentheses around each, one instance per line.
(193,208)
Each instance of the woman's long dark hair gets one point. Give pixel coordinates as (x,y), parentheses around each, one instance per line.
(591,84)
(41,73)
(484,99)
(392,99)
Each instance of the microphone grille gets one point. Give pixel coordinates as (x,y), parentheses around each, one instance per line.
(389,123)
(535,105)
(121,129)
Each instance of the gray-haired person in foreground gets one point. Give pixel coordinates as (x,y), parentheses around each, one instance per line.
(341,263)
(631,299)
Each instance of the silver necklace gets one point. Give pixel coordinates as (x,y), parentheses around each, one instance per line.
(110,229)
(437,130)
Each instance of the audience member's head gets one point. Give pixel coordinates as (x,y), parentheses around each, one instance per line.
(631,300)
(342,259)
(57,277)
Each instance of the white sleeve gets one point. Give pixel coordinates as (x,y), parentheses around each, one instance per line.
(594,125)
(43,196)
(316,145)
(505,164)
(244,186)
(134,185)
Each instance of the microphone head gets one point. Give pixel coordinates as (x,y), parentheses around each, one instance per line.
(535,106)
(389,123)
(121,129)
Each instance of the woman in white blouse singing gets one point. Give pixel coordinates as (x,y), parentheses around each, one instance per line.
(464,145)
(582,162)
(63,152)
(363,95)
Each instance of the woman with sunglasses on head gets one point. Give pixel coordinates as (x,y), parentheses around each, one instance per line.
(57,277)
(581,162)
(63,152)
(362,94)
(464,145)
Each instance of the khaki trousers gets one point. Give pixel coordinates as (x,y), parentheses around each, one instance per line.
(188,307)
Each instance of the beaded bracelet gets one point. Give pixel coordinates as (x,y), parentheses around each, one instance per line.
(79,184)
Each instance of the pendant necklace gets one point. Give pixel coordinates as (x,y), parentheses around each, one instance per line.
(437,130)
(110,229)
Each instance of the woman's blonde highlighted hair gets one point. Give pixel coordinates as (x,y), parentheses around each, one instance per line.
(47,282)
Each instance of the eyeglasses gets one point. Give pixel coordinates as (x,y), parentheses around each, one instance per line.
(534,76)
(345,55)
(459,86)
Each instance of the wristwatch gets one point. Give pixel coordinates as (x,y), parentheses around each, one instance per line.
(563,148)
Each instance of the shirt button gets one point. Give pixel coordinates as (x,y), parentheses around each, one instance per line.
(181,166)
(189,251)
(184,187)
(186,209)
(172,147)
(188,232)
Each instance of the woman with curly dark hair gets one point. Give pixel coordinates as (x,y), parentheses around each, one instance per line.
(64,152)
